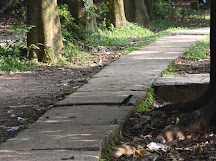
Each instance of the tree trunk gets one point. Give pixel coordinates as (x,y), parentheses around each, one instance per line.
(204,115)
(43,14)
(149,9)
(136,11)
(116,13)
(78,11)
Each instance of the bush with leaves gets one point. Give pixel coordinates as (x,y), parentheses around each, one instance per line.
(162,9)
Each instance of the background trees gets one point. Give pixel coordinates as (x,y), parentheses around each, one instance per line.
(138,11)
(46,33)
(86,16)
(116,13)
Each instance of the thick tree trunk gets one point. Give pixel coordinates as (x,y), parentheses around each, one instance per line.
(116,14)
(136,11)
(43,14)
(78,11)
(149,9)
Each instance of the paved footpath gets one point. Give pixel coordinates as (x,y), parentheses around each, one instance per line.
(80,126)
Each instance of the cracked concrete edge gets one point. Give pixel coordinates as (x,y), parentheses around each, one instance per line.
(107,99)
(199,31)
(49,155)
(120,128)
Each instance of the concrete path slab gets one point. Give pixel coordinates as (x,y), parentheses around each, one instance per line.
(177,41)
(200,31)
(182,80)
(181,88)
(72,127)
(82,130)
(92,97)
(124,83)
(49,155)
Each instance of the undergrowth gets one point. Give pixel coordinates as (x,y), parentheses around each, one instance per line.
(13,60)
(113,144)
(198,51)
(171,69)
(146,104)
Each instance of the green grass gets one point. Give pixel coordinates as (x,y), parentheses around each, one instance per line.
(198,51)
(12,61)
(171,69)
(109,148)
(112,37)
(147,103)
(148,39)
(15,64)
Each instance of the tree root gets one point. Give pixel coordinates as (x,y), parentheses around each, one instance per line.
(185,125)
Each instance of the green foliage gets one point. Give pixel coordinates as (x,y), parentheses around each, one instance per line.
(12,59)
(162,9)
(17,29)
(147,40)
(196,52)
(147,103)
(13,56)
(199,50)
(109,148)
(70,29)
(171,70)
(13,63)
(63,62)
(72,32)
(123,36)
(77,38)
(94,11)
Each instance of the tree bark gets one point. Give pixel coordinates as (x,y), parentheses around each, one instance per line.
(43,14)
(78,11)
(116,13)
(136,11)
(149,8)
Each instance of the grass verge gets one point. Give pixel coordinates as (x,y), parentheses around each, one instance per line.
(198,51)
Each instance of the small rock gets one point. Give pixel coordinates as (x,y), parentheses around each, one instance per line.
(144,117)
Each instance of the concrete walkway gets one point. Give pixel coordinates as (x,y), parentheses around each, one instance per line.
(80,126)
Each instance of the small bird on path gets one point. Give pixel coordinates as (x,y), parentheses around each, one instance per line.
(126,100)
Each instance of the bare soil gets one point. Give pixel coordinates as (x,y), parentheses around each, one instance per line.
(28,95)
(142,127)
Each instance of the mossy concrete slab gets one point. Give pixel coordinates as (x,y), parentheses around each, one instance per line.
(181,88)
(101,98)
(200,31)
(48,155)
(73,127)
(182,80)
